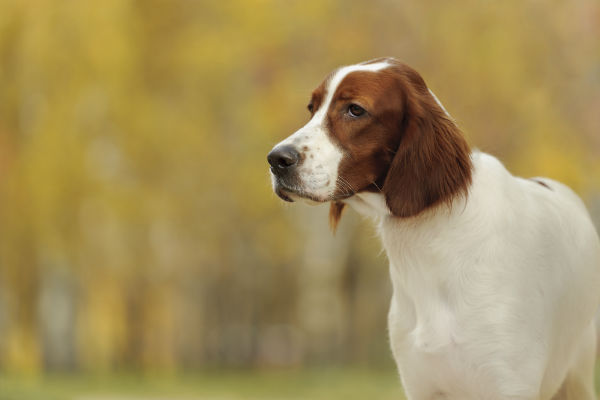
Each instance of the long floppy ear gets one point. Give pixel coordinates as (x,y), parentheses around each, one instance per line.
(432,164)
(335,213)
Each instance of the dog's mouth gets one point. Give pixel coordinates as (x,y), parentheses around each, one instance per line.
(290,194)
(283,193)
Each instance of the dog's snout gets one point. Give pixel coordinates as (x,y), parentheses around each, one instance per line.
(283,158)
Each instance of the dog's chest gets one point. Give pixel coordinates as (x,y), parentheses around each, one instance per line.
(429,336)
(427,321)
(426,293)
(425,344)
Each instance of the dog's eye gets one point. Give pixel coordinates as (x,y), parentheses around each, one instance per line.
(355,110)
(310,107)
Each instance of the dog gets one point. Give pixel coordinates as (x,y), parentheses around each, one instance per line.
(495,278)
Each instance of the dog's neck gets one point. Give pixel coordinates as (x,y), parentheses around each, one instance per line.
(373,205)
(369,204)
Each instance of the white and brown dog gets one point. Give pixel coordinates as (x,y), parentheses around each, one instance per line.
(496,279)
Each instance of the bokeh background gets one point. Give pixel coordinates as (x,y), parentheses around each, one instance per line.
(139,236)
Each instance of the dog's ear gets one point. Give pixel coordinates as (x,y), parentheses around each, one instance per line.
(432,164)
(335,213)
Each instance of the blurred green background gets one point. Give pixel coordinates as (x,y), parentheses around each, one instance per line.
(142,252)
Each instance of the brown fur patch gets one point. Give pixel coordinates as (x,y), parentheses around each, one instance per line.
(538,181)
(336,209)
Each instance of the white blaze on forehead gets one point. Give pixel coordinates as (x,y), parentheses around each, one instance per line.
(318,172)
(337,78)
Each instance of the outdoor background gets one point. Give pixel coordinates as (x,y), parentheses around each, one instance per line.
(142,251)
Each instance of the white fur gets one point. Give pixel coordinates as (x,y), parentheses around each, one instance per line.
(495,297)
(318,174)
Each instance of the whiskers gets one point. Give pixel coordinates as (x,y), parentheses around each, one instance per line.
(345,187)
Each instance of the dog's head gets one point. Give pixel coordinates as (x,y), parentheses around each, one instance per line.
(374,127)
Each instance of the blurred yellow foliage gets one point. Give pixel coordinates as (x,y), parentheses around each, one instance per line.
(137,224)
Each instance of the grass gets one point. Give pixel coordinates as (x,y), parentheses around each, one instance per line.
(313,384)
(316,384)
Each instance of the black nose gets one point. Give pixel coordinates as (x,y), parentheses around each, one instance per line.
(283,157)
